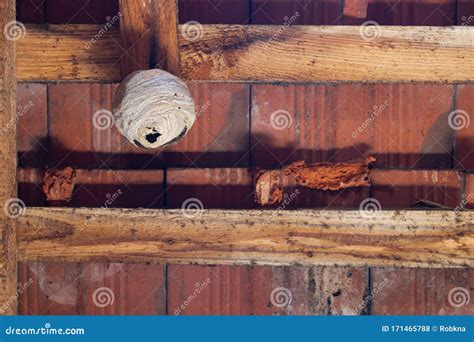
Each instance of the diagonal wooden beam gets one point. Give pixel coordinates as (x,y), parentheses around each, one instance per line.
(259,53)
(10,205)
(149,31)
(300,237)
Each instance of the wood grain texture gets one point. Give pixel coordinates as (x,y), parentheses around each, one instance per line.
(166,36)
(149,31)
(69,53)
(260,53)
(8,228)
(304,237)
(329,53)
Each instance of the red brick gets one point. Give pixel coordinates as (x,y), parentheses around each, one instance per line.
(68,289)
(127,289)
(49,288)
(74,139)
(418,13)
(421,291)
(465,12)
(215,188)
(80,11)
(31,11)
(222,290)
(266,290)
(214,11)
(322,290)
(119,189)
(469,193)
(30,187)
(220,134)
(339,290)
(310,12)
(408,128)
(32,125)
(465,127)
(401,189)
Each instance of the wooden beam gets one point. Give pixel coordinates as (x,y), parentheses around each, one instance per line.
(263,53)
(8,201)
(149,31)
(329,53)
(303,237)
(69,53)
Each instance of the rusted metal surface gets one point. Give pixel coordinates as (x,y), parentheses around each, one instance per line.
(320,176)
(59,184)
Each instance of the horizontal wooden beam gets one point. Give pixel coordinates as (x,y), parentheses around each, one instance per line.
(329,53)
(301,237)
(254,53)
(69,53)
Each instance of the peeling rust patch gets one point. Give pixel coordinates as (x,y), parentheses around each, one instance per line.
(59,184)
(268,184)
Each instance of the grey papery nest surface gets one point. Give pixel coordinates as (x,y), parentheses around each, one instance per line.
(153,108)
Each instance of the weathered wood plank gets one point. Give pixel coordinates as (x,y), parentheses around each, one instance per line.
(8,202)
(303,237)
(329,53)
(69,53)
(149,31)
(260,53)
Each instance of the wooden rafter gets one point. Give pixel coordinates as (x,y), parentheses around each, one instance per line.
(10,205)
(149,31)
(301,237)
(262,53)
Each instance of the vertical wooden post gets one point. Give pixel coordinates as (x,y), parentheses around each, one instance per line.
(149,32)
(8,231)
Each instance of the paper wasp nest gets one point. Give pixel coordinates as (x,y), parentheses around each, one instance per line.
(153,108)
